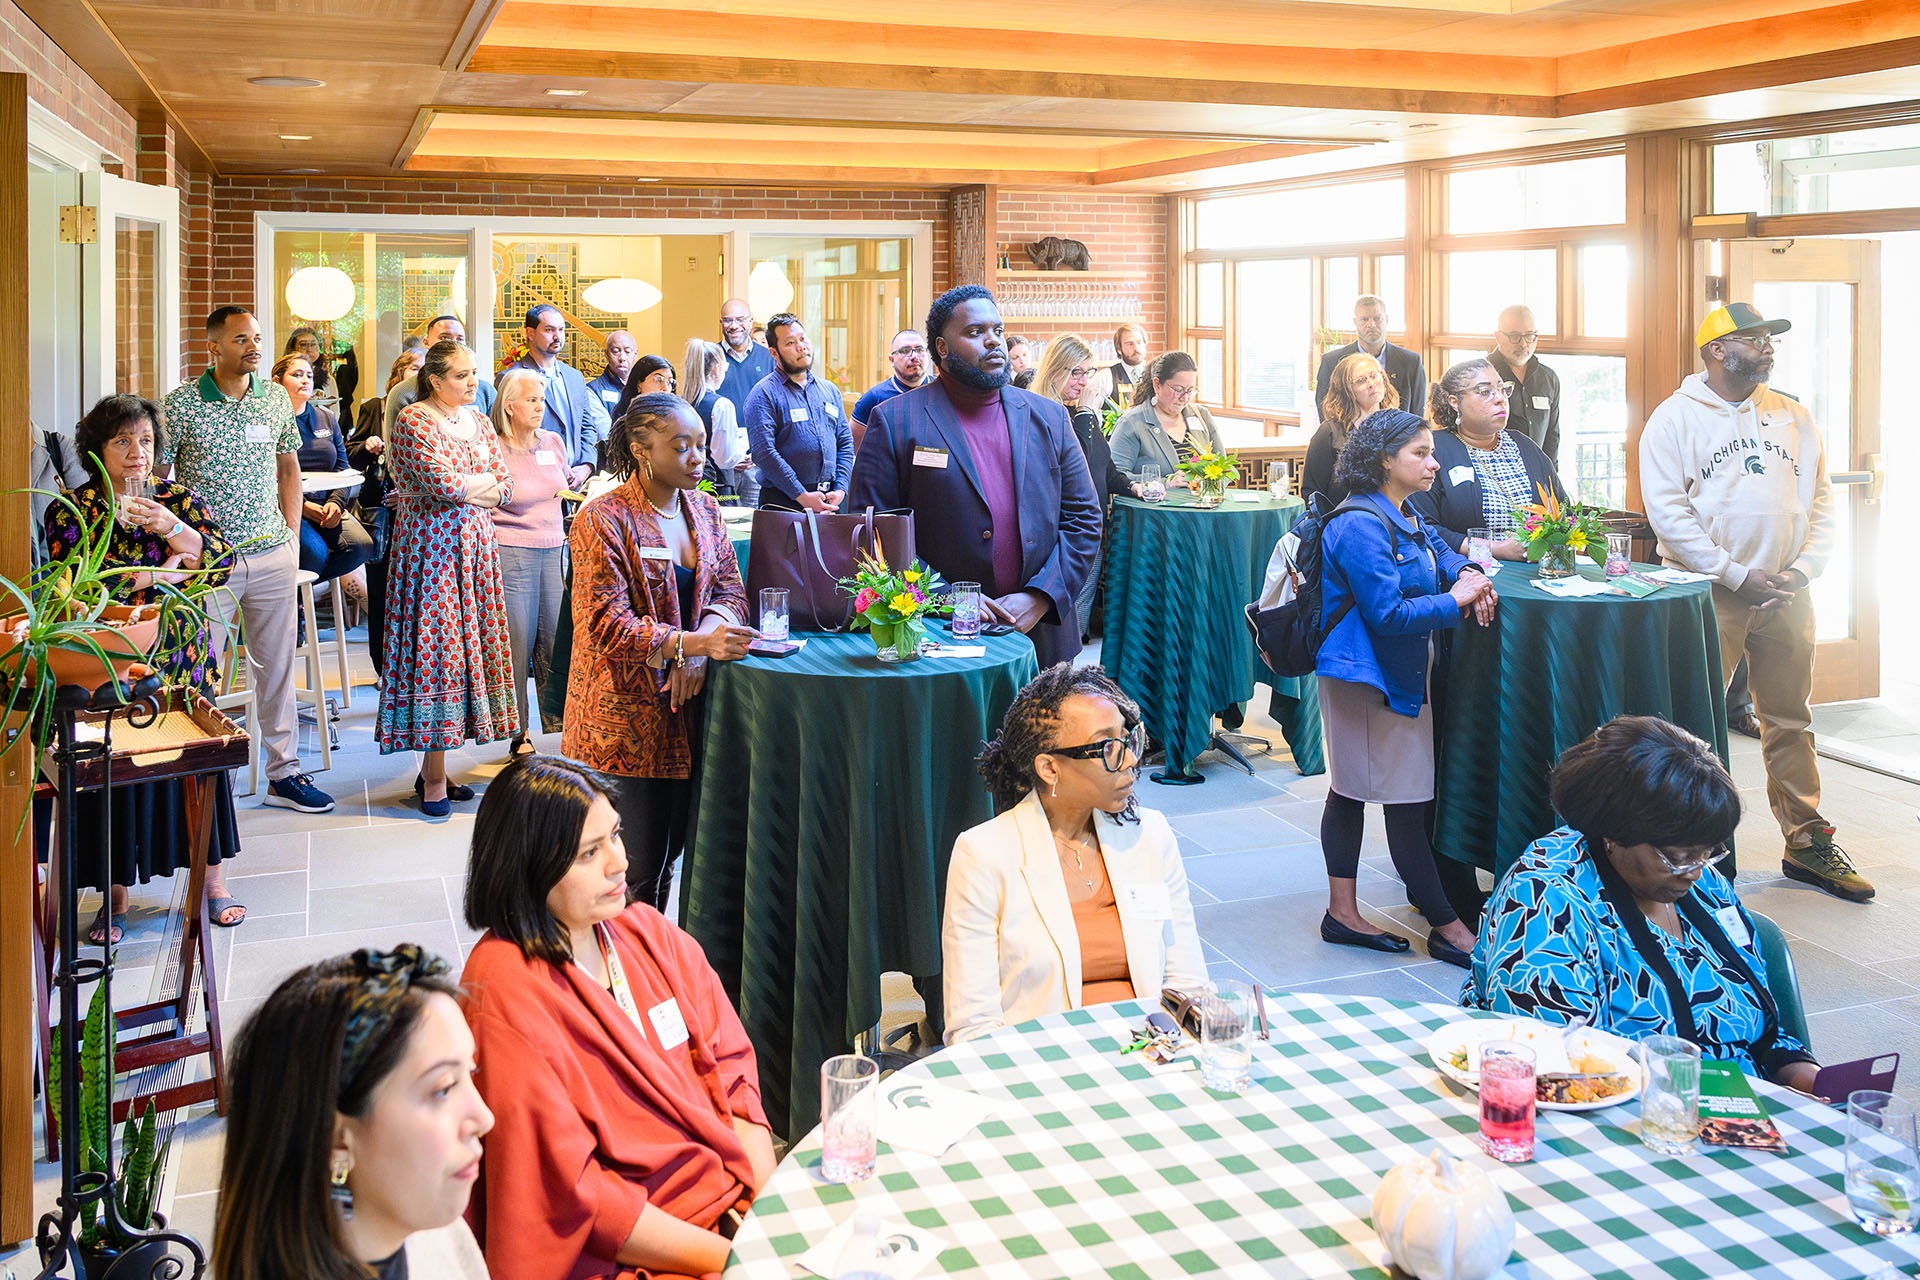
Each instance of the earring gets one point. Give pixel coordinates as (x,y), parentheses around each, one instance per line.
(338,1191)
(1056,787)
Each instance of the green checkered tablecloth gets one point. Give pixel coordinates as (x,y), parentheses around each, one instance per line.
(1094,1167)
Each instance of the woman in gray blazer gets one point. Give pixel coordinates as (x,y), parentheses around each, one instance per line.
(1164,427)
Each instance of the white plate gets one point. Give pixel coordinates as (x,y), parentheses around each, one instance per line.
(1549,1055)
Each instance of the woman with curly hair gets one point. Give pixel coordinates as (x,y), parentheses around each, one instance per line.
(1357,389)
(1073,895)
(1388,582)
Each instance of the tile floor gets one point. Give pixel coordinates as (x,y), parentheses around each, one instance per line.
(374,873)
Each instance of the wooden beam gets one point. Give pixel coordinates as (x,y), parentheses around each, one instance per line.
(1207,160)
(472,31)
(1797,68)
(731,175)
(17,886)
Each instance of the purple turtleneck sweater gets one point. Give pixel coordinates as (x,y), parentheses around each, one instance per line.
(983,420)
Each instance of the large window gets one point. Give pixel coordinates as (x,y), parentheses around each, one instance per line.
(1304,215)
(853,293)
(1819,173)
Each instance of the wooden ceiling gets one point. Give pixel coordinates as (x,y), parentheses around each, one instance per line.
(839,91)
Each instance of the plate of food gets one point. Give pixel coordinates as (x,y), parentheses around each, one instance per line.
(1581,1070)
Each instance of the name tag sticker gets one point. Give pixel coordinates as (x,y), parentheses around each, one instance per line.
(1146,901)
(1460,475)
(925,457)
(321,433)
(668,1024)
(1729,918)
(798,413)
(833,410)
(544,458)
(655,553)
(259,433)
(1542,402)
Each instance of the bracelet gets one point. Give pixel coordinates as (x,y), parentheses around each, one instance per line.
(680,648)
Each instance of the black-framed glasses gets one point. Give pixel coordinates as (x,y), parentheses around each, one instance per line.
(1718,854)
(1111,752)
(910,351)
(1532,335)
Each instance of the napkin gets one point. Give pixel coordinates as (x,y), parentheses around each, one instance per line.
(1248,497)
(1675,576)
(918,1116)
(1568,588)
(944,650)
(909,1249)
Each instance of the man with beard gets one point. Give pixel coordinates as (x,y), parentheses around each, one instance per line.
(1735,483)
(796,431)
(747,360)
(573,413)
(909,357)
(621,353)
(996,480)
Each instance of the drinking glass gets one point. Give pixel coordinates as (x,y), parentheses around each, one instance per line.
(1506,1101)
(850,1105)
(966,610)
(1152,487)
(137,484)
(773,613)
(1883,1163)
(1480,547)
(1670,1103)
(1619,554)
(1226,1036)
(1280,479)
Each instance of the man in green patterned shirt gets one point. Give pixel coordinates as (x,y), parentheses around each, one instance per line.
(231,438)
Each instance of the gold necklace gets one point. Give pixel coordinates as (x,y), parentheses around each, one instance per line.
(1079,865)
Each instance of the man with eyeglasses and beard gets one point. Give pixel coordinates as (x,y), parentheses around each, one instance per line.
(997,482)
(1534,409)
(909,358)
(1734,478)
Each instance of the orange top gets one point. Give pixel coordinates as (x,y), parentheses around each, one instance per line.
(1103,950)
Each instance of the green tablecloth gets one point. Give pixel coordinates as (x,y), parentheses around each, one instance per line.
(1094,1168)
(831,790)
(1179,578)
(1547,674)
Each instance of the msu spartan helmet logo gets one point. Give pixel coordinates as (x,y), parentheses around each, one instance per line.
(1755,467)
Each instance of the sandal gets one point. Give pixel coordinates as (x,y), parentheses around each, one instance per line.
(217,907)
(102,926)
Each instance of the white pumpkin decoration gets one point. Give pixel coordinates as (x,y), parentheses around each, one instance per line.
(1443,1220)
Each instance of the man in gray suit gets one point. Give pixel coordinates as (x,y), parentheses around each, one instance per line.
(1403,368)
(574,413)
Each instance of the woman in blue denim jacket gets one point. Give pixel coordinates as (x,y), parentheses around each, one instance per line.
(1385,581)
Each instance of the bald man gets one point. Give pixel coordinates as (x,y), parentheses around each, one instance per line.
(621,353)
(747,361)
(1534,410)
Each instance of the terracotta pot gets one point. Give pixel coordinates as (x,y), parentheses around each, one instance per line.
(125,632)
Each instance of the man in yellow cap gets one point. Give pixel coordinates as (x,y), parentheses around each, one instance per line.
(1735,484)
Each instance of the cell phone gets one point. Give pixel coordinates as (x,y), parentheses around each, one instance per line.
(997,628)
(773,648)
(1833,1083)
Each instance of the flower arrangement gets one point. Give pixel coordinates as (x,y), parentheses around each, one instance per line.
(516,352)
(1555,534)
(1209,474)
(892,604)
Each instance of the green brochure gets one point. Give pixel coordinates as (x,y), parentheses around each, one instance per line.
(1730,1114)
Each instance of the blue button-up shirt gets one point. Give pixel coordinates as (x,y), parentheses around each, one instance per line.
(799,435)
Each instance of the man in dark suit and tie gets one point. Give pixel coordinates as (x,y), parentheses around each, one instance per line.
(998,485)
(1403,367)
(1130,344)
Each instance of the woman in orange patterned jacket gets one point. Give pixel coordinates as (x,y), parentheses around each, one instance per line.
(656,595)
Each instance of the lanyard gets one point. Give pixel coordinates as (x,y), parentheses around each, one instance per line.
(617,978)
(1487,475)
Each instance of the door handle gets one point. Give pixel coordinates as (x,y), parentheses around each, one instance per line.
(1873,479)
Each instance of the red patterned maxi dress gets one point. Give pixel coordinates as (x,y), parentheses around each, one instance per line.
(449,672)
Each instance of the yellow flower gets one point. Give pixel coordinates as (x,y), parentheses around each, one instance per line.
(1577,539)
(902,603)
(911,575)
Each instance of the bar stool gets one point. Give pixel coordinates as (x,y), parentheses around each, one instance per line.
(314,704)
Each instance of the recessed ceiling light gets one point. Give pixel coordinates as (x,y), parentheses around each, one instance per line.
(296,137)
(1565,132)
(566,93)
(646,179)
(1372,124)
(1425,124)
(285,82)
(300,171)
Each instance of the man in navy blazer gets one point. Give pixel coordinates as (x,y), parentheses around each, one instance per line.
(574,413)
(998,485)
(1404,368)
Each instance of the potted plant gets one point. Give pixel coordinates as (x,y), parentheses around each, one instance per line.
(893,604)
(1555,535)
(1209,474)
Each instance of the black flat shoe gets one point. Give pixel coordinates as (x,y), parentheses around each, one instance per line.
(1440,949)
(455,790)
(1333,931)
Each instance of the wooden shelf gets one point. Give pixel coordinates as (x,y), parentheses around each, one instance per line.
(1020,273)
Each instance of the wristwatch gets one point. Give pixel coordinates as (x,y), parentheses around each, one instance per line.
(179,526)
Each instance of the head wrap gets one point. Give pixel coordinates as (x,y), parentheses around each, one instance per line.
(386,979)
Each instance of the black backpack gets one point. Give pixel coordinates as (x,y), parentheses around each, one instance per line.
(1289,632)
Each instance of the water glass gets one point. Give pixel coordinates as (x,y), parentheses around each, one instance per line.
(1506,1100)
(1883,1162)
(1619,554)
(1670,1102)
(773,613)
(1480,547)
(1152,487)
(966,610)
(1280,479)
(850,1110)
(1226,1036)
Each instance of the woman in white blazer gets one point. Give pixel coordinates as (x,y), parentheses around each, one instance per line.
(1071,896)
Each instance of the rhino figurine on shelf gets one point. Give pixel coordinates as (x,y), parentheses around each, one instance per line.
(1055,253)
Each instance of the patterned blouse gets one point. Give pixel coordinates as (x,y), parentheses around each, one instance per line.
(184,651)
(1552,946)
(1504,485)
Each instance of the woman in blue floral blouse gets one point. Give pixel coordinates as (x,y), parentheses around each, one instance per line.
(1620,915)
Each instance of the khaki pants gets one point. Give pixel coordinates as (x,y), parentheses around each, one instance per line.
(1779,648)
(264,593)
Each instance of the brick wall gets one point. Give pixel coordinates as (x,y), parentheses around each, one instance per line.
(196,263)
(57,83)
(1122,232)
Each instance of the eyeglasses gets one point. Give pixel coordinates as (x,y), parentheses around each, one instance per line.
(910,351)
(1178,393)
(1111,752)
(1759,342)
(1720,853)
(1532,335)
(1488,390)
(1080,371)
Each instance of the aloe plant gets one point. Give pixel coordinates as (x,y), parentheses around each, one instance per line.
(136,1186)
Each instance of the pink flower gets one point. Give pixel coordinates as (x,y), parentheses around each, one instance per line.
(919,596)
(867,597)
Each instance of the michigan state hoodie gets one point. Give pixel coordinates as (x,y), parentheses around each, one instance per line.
(1733,487)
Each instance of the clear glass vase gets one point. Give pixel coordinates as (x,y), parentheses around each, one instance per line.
(899,643)
(1557,562)
(1210,493)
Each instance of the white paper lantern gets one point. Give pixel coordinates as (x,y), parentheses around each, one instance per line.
(320,293)
(769,292)
(620,296)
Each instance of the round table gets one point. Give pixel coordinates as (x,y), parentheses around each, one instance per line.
(1548,673)
(1179,578)
(1095,1167)
(830,791)
(327,481)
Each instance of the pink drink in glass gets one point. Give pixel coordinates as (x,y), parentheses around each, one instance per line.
(1506,1101)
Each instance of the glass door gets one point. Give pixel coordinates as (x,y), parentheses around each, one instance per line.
(131,287)
(1830,362)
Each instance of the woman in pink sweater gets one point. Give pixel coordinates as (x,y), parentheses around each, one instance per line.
(531,536)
